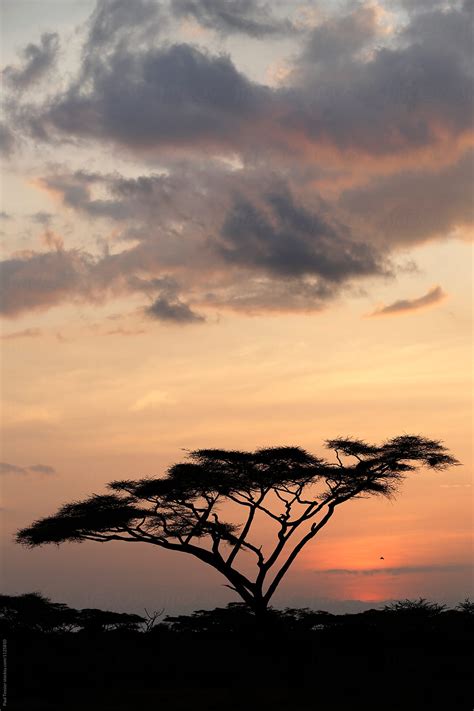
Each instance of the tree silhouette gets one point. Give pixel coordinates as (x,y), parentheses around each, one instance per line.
(33,612)
(93,620)
(296,491)
(420,608)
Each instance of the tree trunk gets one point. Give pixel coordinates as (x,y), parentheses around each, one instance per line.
(262,620)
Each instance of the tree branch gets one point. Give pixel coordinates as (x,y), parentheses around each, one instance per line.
(245,532)
(312,532)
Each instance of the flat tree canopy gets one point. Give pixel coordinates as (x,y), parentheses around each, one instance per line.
(296,491)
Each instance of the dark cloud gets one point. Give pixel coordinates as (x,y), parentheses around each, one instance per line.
(432,297)
(407,96)
(247,17)
(116,21)
(154,201)
(39,280)
(402,570)
(7,140)
(75,190)
(233,219)
(351,87)
(172,312)
(288,240)
(42,218)
(412,206)
(341,37)
(164,96)
(262,251)
(37,61)
(6,468)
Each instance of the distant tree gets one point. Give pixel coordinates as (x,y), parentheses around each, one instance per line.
(294,490)
(149,622)
(237,617)
(233,619)
(466,606)
(93,620)
(420,608)
(33,612)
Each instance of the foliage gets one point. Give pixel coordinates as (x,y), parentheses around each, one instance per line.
(415,608)
(237,618)
(34,612)
(466,606)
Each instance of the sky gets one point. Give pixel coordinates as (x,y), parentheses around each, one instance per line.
(236,224)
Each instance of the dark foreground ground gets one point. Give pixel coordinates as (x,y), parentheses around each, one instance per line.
(358,663)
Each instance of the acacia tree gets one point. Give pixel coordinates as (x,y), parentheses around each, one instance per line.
(296,491)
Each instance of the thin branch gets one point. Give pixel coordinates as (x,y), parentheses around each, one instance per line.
(313,531)
(244,533)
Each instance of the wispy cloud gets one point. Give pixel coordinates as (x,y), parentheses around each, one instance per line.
(37,59)
(25,333)
(126,332)
(246,17)
(402,570)
(432,297)
(6,468)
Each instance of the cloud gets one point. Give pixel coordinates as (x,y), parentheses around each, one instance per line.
(406,96)
(166,96)
(37,61)
(352,88)
(6,468)
(114,22)
(340,38)
(39,280)
(42,218)
(260,295)
(126,332)
(255,247)
(247,17)
(402,570)
(267,199)
(7,139)
(415,205)
(42,469)
(172,312)
(25,333)
(286,239)
(432,297)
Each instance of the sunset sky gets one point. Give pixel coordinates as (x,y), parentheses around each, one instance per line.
(236,224)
